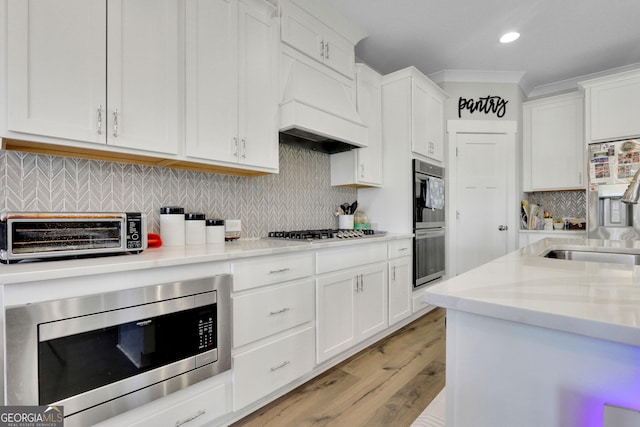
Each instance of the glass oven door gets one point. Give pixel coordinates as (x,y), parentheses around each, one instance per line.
(429,256)
(428,205)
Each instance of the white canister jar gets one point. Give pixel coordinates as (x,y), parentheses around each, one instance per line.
(195,233)
(215,231)
(172,226)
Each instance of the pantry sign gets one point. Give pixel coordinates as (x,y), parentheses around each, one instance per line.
(485,104)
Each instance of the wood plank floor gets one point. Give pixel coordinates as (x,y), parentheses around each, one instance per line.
(387,384)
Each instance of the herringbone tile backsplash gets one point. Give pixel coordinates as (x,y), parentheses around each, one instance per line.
(561,204)
(299,197)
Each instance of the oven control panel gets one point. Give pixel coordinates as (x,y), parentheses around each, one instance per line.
(205,332)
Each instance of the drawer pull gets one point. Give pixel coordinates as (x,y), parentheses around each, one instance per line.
(403,249)
(282,270)
(284,310)
(280,366)
(200,413)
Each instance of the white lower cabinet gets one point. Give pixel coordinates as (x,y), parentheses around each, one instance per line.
(196,405)
(263,369)
(400,287)
(267,312)
(400,279)
(273,326)
(351,306)
(257,272)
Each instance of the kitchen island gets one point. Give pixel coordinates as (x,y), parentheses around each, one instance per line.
(533,341)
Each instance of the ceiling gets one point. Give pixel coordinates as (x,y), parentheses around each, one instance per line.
(561,40)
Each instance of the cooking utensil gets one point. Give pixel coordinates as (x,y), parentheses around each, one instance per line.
(345,208)
(353,207)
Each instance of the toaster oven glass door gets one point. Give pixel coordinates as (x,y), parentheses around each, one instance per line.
(88,352)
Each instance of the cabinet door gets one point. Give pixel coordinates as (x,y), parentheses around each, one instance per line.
(427,128)
(258,98)
(420,113)
(553,144)
(615,110)
(336,296)
(435,128)
(212,80)
(371,301)
(56,68)
(339,54)
(302,32)
(316,40)
(369,101)
(400,289)
(142,74)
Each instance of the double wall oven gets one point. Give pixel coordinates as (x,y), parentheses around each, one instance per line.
(428,223)
(100,355)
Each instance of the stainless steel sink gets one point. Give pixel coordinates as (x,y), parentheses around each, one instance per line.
(593,256)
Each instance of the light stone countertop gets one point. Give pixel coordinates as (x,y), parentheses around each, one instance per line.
(171,256)
(599,300)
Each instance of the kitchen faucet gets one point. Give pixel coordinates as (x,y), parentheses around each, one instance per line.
(632,193)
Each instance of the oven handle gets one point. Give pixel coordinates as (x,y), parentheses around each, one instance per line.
(425,234)
(143,313)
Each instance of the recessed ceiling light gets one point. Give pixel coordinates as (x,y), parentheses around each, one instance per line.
(509,37)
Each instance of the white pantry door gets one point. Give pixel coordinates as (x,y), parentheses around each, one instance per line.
(484,197)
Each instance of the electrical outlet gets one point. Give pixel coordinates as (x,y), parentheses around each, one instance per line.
(232,225)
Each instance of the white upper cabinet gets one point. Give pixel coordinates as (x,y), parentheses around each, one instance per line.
(612,108)
(57,68)
(362,167)
(414,106)
(553,143)
(231,82)
(78,74)
(143,91)
(312,37)
(427,118)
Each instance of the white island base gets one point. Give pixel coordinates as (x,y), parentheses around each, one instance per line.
(504,373)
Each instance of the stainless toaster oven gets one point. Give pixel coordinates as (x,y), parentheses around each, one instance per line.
(34,236)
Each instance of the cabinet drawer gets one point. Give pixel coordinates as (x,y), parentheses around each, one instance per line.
(400,248)
(266,271)
(339,259)
(195,405)
(265,369)
(263,313)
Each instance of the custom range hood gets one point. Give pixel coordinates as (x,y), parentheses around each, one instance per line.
(318,111)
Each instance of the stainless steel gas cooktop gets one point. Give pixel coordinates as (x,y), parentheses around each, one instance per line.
(323,234)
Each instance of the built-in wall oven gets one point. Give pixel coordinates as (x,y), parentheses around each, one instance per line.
(428,223)
(101,355)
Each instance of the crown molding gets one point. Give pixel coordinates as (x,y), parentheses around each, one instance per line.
(478,76)
(520,78)
(572,83)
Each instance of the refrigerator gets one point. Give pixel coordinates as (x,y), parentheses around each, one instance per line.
(611,168)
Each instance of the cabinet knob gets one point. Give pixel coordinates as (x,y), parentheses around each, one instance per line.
(502,228)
